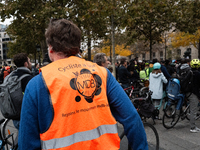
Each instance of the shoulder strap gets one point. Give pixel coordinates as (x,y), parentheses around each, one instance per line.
(23,76)
(6,78)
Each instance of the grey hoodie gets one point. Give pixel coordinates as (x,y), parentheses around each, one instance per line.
(156,85)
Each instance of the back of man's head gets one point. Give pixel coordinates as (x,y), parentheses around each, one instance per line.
(155,60)
(99,58)
(20,59)
(63,36)
(123,60)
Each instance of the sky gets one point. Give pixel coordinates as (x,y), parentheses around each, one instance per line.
(6,22)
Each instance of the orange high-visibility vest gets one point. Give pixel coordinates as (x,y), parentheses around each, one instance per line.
(82,116)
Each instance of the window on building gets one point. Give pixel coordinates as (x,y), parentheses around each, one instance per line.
(0,34)
(161,55)
(154,55)
(0,46)
(143,56)
(4,34)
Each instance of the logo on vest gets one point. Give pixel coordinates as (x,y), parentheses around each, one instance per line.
(87,84)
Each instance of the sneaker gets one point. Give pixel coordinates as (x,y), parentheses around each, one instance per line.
(195,130)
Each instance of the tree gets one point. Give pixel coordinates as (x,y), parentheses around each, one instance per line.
(189,22)
(179,39)
(119,50)
(31,19)
(148,20)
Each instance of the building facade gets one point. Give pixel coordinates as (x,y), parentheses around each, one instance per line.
(4,39)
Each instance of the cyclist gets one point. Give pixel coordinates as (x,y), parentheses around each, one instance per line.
(68,105)
(124,74)
(194,95)
(156,80)
(144,74)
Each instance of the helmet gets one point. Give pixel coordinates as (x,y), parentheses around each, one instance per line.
(7,67)
(195,63)
(176,80)
(173,61)
(156,66)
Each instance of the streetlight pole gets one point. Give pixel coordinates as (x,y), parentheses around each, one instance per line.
(165,45)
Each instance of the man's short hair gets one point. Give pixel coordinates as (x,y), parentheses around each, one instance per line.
(20,59)
(123,60)
(64,36)
(99,58)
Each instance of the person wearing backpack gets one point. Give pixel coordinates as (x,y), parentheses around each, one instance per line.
(190,85)
(156,80)
(22,61)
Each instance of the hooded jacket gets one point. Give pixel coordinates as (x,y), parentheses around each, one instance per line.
(196,80)
(156,85)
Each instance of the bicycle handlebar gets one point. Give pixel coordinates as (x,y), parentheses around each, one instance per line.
(149,93)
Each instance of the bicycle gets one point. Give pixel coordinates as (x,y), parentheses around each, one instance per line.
(171,118)
(151,132)
(8,136)
(136,89)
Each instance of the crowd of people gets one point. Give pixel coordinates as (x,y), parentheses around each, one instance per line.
(158,73)
(73,103)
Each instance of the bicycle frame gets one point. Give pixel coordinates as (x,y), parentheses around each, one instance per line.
(4,140)
(132,88)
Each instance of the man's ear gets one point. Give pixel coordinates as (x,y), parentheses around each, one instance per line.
(50,49)
(26,64)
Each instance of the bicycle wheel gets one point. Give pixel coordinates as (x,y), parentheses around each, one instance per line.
(8,128)
(152,136)
(170,118)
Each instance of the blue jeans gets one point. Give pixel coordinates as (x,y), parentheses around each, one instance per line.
(180,99)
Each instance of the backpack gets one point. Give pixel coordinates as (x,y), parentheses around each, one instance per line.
(173,89)
(147,110)
(186,79)
(11,96)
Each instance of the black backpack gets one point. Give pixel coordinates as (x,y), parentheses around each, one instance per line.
(11,96)
(186,79)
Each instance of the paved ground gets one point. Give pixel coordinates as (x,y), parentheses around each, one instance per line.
(177,138)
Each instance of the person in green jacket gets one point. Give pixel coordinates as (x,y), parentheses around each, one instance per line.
(144,74)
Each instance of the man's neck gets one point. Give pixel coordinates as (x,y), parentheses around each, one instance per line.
(58,56)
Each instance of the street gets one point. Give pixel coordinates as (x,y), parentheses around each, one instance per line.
(177,138)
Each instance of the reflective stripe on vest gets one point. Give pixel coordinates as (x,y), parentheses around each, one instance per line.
(82,116)
(79,137)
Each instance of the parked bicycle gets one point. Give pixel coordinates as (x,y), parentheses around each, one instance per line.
(136,89)
(8,136)
(171,118)
(151,132)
